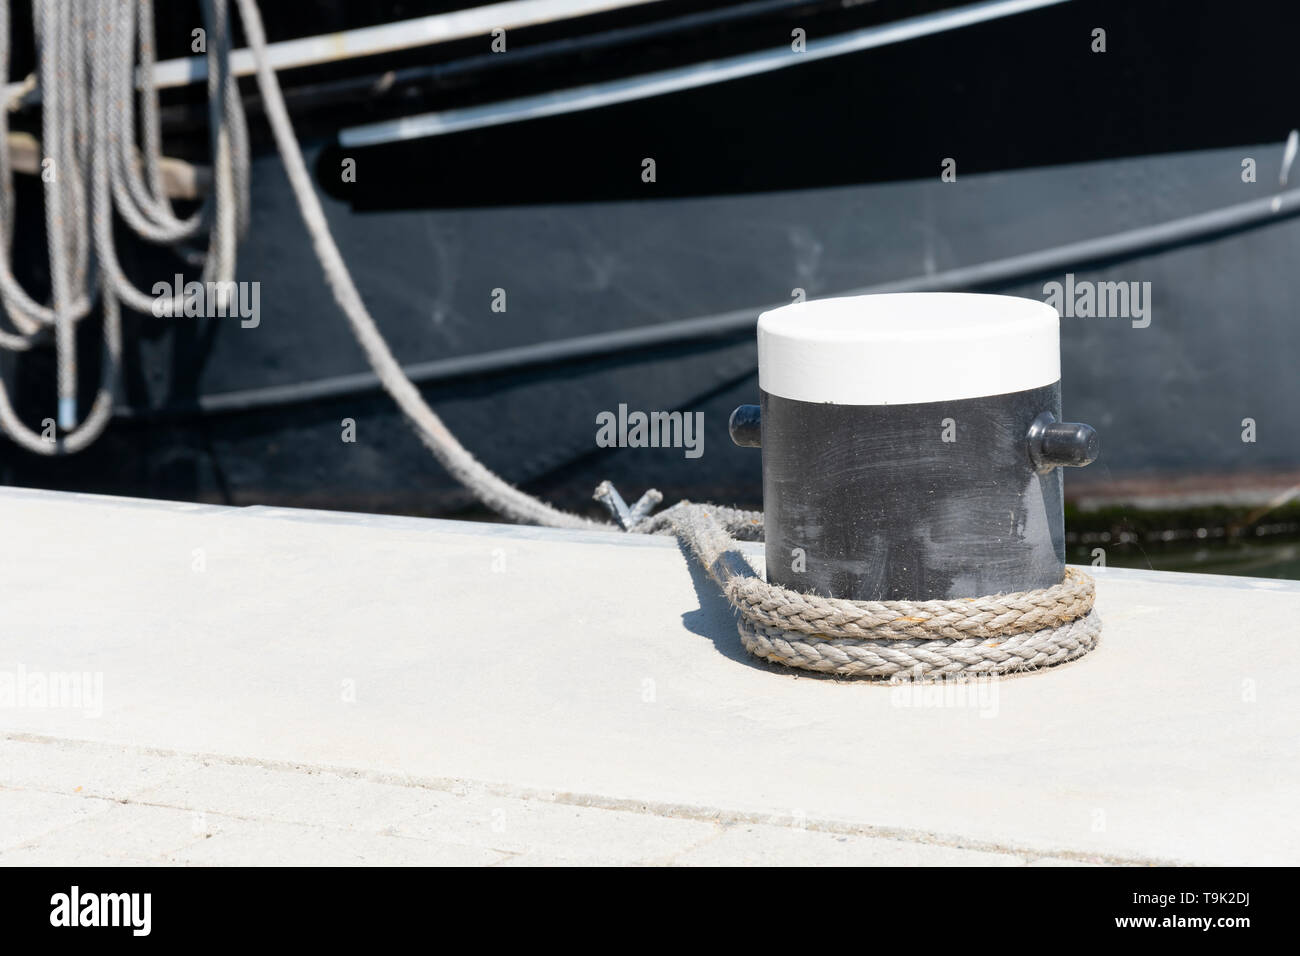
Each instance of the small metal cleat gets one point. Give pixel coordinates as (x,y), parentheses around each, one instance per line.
(628,518)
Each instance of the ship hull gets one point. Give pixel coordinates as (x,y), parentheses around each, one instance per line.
(474,278)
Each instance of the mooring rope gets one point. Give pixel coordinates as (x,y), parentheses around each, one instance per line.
(984,636)
(999,634)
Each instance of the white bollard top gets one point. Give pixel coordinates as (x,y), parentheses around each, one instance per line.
(908,348)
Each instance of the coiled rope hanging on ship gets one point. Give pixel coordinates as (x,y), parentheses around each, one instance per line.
(93,167)
(993,635)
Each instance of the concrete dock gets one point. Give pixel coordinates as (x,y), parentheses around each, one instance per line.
(195,684)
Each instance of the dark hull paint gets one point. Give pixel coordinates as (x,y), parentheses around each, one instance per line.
(1169,398)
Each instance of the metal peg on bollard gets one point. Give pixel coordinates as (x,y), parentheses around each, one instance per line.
(746,426)
(1054,444)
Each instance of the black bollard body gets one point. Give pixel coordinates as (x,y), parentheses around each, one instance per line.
(911,445)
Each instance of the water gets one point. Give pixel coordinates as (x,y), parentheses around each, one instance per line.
(1260,559)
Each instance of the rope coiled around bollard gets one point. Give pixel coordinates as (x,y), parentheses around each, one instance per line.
(985,636)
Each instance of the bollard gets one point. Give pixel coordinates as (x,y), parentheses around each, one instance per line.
(912,445)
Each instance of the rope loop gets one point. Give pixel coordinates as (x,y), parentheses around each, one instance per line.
(983,636)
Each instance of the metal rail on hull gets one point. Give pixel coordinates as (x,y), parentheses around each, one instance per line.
(1175,233)
(384,38)
(608,93)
